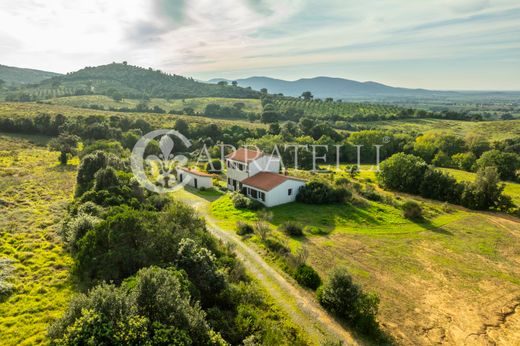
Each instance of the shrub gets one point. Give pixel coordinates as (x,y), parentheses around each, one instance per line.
(316,192)
(314,230)
(242,202)
(464,161)
(244,228)
(276,246)
(412,210)
(291,228)
(263,229)
(370,193)
(343,297)
(215,166)
(307,276)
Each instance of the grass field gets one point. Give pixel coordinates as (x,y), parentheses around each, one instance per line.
(492,130)
(34,191)
(511,189)
(450,279)
(198,104)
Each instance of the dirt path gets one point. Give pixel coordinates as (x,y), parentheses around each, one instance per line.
(296,302)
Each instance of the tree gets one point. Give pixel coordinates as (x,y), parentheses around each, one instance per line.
(464,161)
(182,126)
(506,163)
(222,83)
(307,95)
(234,83)
(402,172)
(263,91)
(66,144)
(269,117)
(486,191)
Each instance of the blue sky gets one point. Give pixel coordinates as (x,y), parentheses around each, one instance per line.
(436,44)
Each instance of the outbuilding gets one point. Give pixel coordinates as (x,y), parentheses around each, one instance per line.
(195,178)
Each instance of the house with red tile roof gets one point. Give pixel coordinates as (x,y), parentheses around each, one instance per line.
(256,175)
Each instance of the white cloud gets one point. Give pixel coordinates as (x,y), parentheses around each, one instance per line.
(233,38)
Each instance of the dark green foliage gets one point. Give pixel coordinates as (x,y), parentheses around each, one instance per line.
(412,210)
(344,298)
(407,173)
(402,172)
(486,192)
(307,276)
(243,228)
(214,166)
(154,306)
(292,228)
(316,192)
(506,163)
(464,161)
(242,202)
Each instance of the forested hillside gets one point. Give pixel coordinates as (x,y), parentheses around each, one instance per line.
(125,81)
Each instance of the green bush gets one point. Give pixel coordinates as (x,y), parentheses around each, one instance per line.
(291,228)
(307,276)
(242,202)
(316,192)
(244,228)
(344,298)
(412,210)
(314,230)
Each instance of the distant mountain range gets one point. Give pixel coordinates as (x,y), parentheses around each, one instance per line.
(16,75)
(346,89)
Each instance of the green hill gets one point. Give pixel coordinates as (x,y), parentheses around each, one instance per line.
(122,80)
(16,75)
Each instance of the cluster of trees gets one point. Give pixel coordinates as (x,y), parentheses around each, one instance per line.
(317,192)
(411,174)
(214,110)
(171,282)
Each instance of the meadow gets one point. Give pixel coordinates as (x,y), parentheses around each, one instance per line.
(448,279)
(34,193)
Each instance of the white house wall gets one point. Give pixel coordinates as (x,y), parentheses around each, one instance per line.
(205,182)
(279,195)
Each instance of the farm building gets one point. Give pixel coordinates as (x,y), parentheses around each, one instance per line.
(194,178)
(255,174)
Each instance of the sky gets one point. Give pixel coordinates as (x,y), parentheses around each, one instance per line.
(434,44)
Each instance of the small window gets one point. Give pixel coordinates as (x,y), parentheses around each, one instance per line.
(228,163)
(254,193)
(229,181)
(262,196)
(289,192)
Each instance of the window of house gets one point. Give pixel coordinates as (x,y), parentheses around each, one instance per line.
(228,163)
(289,192)
(262,196)
(229,181)
(254,193)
